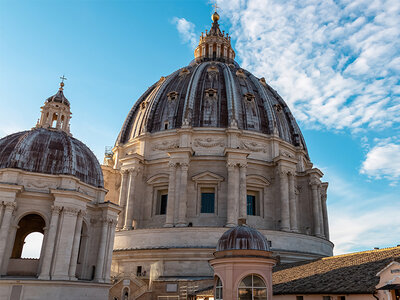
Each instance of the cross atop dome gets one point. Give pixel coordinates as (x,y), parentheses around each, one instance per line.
(214,44)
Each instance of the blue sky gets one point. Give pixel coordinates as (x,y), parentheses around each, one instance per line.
(336,63)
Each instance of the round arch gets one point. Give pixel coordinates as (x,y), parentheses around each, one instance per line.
(27,224)
(252,286)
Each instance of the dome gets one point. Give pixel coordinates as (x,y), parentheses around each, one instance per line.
(242,237)
(211,94)
(50,151)
(59,97)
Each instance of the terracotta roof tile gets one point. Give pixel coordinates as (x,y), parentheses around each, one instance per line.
(342,274)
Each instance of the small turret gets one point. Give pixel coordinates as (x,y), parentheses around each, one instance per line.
(56,111)
(214,44)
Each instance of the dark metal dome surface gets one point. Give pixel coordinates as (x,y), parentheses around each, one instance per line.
(51,152)
(59,97)
(211,94)
(242,238)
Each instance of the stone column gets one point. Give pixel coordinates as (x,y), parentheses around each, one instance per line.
(65,243)
(50,241)
(111,235)
(293,204)
(98,276)
(321,212)
(131,199)
(231,213)
(183,196)
(122,198)
(5,227)
(316,209)
(242,191)
(169,219)
(284,187)
(75,248)
(325,214)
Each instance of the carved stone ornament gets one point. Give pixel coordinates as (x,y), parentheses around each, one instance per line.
(70,211)
(286,154)
(172,165)
(166,145)
(184,72)
(40,184)
(55,209)
(314,182)
(231,164)
(253,146)
(209,142)
(10,205)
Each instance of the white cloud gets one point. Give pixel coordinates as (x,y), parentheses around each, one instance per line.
(336,63)
(383,161)
(186,31)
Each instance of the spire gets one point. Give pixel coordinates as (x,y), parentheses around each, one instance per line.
(214,44)
(56,112)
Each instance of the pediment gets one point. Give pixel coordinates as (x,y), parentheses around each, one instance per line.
(207,177)
(158,179)
(257,180)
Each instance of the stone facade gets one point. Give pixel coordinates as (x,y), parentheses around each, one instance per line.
(65,204)
(201,148)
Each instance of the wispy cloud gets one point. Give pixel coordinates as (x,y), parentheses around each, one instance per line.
(186,31)
(360,218)
(335,62)
(383,161)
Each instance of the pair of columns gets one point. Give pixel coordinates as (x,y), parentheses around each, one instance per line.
(5,220)
(127,198)
(177,195)
(289,202)
(320,216)
(62,244)
(237,192)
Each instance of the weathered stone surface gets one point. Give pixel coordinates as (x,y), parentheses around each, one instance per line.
(50,151)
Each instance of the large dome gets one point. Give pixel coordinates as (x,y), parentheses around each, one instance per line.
(50,151)
(211,94)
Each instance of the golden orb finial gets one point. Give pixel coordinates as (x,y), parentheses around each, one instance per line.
(62,82)
(215,17)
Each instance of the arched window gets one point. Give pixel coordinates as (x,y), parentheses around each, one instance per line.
(125,294)
(252,287)
(218,289)
(29,237)
(32,245)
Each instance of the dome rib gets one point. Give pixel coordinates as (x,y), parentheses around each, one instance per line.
(266,111)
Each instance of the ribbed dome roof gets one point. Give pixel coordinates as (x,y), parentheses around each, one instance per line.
(51,152)
(211,94)
(242,238)
(59,97)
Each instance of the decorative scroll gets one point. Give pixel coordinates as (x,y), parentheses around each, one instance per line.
(166,145)
(209,142)
(253,146)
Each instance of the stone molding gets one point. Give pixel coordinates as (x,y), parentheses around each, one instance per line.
(70,211)
(253,146)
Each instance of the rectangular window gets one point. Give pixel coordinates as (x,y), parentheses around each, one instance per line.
(139,271)
(299,297)
(207,201)
(326,297)
(253,206)
(342,297)
(162,199)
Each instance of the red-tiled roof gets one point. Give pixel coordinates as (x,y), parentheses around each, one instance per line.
(353,273)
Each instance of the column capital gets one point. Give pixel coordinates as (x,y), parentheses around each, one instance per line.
(172,165)
(70,211)
(55,209)
(184,166)
(242,165)
(10,206)
(315,183)
(231,164)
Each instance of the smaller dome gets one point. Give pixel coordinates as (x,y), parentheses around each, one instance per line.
(59,97)
(242,237)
